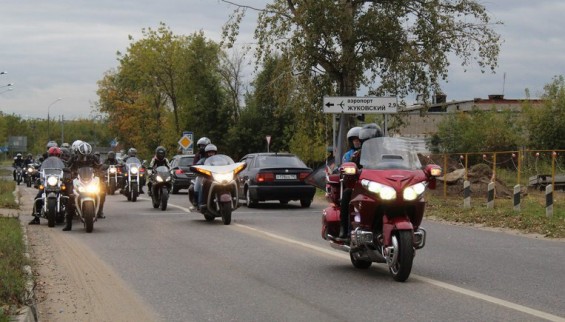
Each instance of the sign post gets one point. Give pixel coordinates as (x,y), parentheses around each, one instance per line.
(268,137)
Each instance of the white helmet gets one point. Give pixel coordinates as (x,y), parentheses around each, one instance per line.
(85,148)
(75,145)
(203,141)
(211,147)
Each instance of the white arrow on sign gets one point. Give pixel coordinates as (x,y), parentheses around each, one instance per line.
(364,105)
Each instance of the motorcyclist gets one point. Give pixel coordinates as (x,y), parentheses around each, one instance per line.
(201,144)
(132,153)
(158,160)
(18,163)
(354,143)
(82,158)
(364,133)
(29,159)
(53,160)
(210,150)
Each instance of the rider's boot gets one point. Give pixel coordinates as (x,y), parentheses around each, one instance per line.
(69,222)
(35,220)
(100,212)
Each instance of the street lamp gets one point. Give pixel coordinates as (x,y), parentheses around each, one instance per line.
(48,118)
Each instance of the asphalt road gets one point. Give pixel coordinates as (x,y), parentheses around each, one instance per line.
(271,264)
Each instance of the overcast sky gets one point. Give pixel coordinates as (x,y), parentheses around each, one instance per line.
(55,49)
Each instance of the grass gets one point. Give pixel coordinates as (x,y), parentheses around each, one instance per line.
(531,219)
(7,199)
(12,276)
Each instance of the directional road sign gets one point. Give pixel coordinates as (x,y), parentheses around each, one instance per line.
(363,105)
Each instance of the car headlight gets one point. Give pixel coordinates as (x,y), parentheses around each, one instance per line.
(383,191)
(134,170)
(414,192)
(52,181)
(223,177)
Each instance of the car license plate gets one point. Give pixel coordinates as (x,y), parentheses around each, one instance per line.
(286,176)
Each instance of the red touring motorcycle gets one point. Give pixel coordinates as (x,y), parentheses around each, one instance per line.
(386,206)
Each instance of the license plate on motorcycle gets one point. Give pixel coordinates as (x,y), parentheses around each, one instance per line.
(285,176)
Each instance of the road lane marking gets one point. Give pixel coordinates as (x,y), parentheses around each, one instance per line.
(447,286)
(453,288)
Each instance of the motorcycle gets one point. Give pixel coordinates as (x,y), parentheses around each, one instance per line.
(54,199)
(86,190)
(219,173)
(30,174)
(386,206)
(111,179)
(160,187)
(131,179)
(19,174)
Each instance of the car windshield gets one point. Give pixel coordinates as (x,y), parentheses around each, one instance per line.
(389,153)
(279,161)
(218,159)
(186,161)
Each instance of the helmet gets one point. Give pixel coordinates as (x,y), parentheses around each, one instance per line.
(51,144)
(203,141)
(111,155)
(160,152)
(29,155)
(65,145)
(54,151)
(85,148)
(19,155)
(370,131)
(75,146)
(211,148)
(352,134)
(65,153)
(132,152)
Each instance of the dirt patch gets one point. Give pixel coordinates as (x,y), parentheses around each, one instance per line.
(72,283)
(479,177)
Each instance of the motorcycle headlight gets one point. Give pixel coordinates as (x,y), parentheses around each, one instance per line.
(414,192)
(112,170)
(134,170)
(52,181)
(223,177)
(30,170)
(168,179)
(159,179)
(383,191)
(90,188)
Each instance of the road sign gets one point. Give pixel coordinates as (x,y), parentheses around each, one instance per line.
(360,105)
(186,142)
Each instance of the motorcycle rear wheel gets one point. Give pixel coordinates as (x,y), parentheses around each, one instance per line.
(51,212)
(401,267)
(359,263)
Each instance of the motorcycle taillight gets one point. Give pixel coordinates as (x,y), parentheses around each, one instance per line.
(179,171)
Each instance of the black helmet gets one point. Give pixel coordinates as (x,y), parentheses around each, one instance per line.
(369,131)
(111,155)
(160,152)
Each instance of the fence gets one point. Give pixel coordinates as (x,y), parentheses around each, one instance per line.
(506,174)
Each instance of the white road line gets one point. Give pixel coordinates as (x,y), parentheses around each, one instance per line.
(453,288)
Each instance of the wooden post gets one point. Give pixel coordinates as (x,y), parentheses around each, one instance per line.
(517,197)
(549,200)
(466,194)
(490,195)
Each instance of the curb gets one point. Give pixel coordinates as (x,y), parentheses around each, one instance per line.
(29,312)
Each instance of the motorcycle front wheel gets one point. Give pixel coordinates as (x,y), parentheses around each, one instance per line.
(225,211)
(51,212)
(400,262)
(88,213)
(164,198)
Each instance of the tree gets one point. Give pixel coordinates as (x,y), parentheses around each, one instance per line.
(406,45)
(546,124)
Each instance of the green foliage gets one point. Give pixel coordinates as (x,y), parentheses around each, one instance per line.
(7,199)
(478,131)
(546,124)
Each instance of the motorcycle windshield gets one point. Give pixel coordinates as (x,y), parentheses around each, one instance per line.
(219,159)
(389,153)
(86,173)
(132,160)
(162,171)
(52,163)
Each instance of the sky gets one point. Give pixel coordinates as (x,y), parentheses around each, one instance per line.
(55,51)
